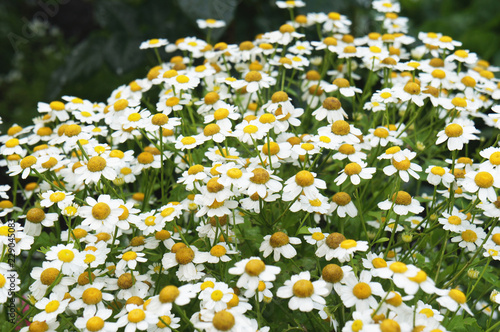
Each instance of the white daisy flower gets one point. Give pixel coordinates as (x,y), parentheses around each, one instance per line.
(303,182)
(343,204)
(279,244)
(471,237)
(56,197)
(453,299)
(438,174)
(402,203)
(52,306)
(252,270)
(153,43)
(457,134)
(404,167)
(360,293)
(355,171)
(304,295)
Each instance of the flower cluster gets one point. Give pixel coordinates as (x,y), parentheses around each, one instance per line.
(351,180)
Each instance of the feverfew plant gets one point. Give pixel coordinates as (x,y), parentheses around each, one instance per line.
(306,180)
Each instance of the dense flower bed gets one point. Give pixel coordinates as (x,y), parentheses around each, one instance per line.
(306,180)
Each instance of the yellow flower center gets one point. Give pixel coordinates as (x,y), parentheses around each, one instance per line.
(459,102)
(150,221)
(436,170)
(341,128)
(216,295)
(303,288)
(253,76)
(218,251)
(120,105)
(315,202)
(28,162)
(129,255)
(211,129)
(57,105)
(402,198)
(72,130)
(57,196)
(168,294)
(213,186)
(304,178)
(254,267)
(11,143)
(398,267)
(101,211)
(35,215)
(92,296)
(362,290)
(346,149)
(396,300)
(159,119)
(352,169)
(66,255)
(428,312)
(402,165)
(438,73)
(348,244)
(389,325)
(223,320)
(182,79)
(454,220)
(96,164)
(379,263)
(188,140)
(496,238)
(167,211)
(457,296)
(50,163)
(95,324)
(484,179)
(278,239)
(145,158)
(52,306)
(381,132)
(270,149)
(341,82)
(341,198)
(207,284)
(469,236)
(221,113)
(454,130)
(184,255)
(136,315)
(412,88)
(357,325)
(318,236)
(163,322)
(234,173)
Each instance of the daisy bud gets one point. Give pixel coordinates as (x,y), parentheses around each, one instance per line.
(119,181)
(472,273)
(407,238)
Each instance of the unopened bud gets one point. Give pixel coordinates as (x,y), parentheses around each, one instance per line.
(407,237)
(472,273)
(119,181)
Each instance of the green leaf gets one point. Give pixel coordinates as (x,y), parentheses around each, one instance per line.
(303,230)
(461,324)
(382,239)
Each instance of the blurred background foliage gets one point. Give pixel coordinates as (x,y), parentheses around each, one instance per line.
(87,48)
